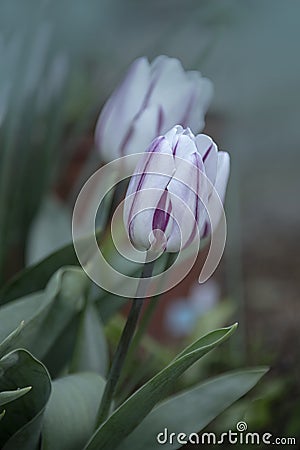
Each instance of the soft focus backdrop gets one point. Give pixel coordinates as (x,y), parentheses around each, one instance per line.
(59,61)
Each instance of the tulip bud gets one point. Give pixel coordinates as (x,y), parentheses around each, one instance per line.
(171,187)
(151,99)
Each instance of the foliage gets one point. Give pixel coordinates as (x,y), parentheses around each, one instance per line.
(59,330)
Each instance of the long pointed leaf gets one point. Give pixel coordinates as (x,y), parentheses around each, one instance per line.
(130,414)
(191,411)
(10,396)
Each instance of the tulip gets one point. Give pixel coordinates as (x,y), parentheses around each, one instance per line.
(150,100)
(170,189)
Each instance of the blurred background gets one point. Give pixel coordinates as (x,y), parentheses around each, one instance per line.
(59,62)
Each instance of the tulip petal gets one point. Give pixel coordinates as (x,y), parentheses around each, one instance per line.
(190,186)
(171,188)
(172,135)
(182,141)
(143,131)
(220,187)
(201,94)
(171,89)
(184,96)
(150,100)
(209,153)
(150,211)
(140,227)
(145,189)
(152,169)
(184,145)
(121,108)
(161,214)
(222,174)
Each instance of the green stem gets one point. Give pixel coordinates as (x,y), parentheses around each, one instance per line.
(147,316)
(123,346)
(143,326)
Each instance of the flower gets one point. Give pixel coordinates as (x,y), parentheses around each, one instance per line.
(151,99)
(171,187)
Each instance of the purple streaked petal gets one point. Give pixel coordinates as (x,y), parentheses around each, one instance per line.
(162,213)
(185,146)
(156,146)
(171,90)
(151,166)
(201,199)
(160,121)
(172,135)
(141,132)
(209,153)
(121,108)
(220,188)
(222,174)
(147,216)
(190,186)
(153,171)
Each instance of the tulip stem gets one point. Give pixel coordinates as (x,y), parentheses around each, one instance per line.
(147,316)
(151,307)
(123,346)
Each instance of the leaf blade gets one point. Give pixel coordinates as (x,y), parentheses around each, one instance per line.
(192,410)
(10,396)
(74,402)
(128,416)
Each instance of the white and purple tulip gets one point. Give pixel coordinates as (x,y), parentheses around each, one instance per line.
(171,188)
(151,99)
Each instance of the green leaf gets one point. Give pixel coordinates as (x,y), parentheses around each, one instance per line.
(192,410)
(47,317)
(2,414)
(11,341)
(9,396)
(16,312)
(59,356)
(71,411)
(204,341)
(35,278)
(21,425)
(130,414)
(91,353)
